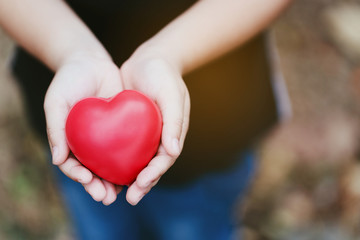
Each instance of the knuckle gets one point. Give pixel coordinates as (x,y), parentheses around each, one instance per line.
(174,126)
(51,133)
(46,105)
(178,123)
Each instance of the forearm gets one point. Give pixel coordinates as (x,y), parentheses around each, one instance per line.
(211,28)
(49,30)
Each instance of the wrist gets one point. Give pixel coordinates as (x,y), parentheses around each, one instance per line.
(147,65)
(83,55)
(156,50)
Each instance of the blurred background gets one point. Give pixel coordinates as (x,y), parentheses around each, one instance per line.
(308,180)
(30,207)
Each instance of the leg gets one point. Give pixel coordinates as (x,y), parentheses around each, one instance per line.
(203,210)
(93,220)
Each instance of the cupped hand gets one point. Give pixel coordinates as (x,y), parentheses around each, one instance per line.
(79,77)
(158,78)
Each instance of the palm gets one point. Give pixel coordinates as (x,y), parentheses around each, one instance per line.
(85,79)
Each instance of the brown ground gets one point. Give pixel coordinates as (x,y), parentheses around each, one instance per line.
(307,185)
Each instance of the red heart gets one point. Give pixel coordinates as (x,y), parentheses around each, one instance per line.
(115,138)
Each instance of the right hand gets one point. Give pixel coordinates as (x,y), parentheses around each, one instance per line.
(80,76)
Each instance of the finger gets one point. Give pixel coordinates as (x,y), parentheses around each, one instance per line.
(135,193)
(110,193)
(156,168)
(76,171)
(96,189)
(56,112)
(186,120)
(149,176)
(172,109)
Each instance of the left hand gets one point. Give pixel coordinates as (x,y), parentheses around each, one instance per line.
(155,76)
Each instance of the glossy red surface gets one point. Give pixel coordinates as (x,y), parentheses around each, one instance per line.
(115,138)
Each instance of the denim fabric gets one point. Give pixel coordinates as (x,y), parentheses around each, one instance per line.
(203,210)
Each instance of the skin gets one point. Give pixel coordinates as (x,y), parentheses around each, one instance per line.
(53,33)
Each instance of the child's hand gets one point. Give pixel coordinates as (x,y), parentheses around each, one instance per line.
(79,77)
(159,79)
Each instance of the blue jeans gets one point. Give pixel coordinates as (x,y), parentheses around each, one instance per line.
(203,210)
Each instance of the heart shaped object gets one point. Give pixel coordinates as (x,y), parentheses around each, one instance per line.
(115,138)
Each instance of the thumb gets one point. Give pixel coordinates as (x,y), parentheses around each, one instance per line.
(172,110)
(56,113)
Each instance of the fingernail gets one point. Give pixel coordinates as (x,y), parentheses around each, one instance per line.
(106,202)
(55,153)
(81,180)
(176,147)
(85,177)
